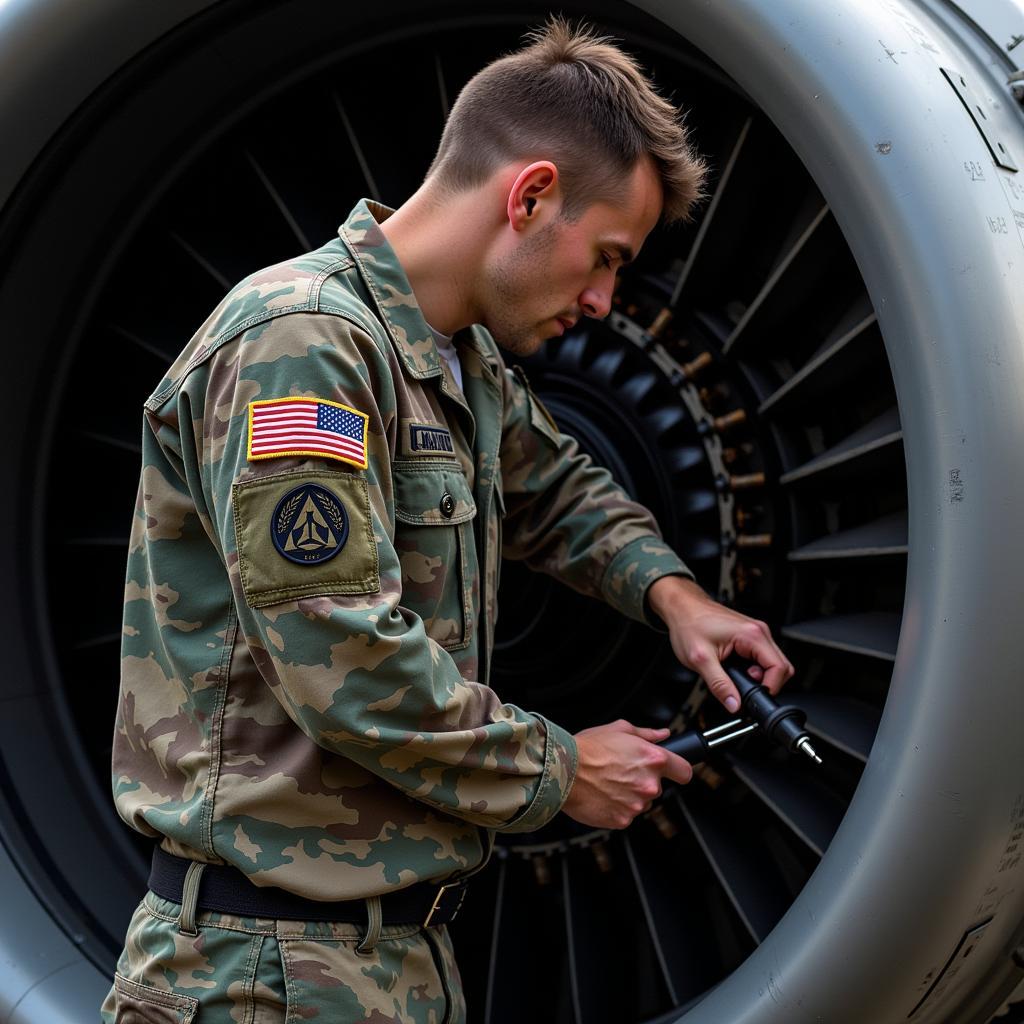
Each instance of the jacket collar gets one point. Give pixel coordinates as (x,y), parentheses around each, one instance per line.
(390,288)
(393,297)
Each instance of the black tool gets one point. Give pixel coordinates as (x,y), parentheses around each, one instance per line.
(695,746)
(782,722)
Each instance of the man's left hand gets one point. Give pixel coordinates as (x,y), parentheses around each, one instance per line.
(704,633)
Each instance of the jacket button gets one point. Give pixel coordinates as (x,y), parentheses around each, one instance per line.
(447,505)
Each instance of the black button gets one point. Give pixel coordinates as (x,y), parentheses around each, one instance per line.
(447,505)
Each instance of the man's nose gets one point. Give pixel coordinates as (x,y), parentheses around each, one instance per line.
(596,302)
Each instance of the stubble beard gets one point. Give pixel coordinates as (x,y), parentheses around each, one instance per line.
(512,285)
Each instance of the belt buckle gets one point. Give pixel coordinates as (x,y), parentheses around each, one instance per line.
(439,899)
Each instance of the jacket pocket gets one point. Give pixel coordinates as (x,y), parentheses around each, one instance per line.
(143,1004)
(434,512)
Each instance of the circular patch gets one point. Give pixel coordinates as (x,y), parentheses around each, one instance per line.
(309,525)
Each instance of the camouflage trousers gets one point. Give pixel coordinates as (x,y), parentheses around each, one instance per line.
(251,970)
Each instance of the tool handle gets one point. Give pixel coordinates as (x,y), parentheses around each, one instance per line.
(690,745)
(782,722)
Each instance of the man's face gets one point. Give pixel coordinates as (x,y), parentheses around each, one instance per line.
(566,270)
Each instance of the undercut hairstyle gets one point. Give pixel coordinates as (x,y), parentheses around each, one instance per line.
(572,97)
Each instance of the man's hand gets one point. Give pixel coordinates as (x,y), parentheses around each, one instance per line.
(704,633)
(619,773)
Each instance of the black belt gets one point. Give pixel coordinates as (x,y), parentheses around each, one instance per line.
(228,890)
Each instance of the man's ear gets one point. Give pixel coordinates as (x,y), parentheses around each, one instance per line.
(535,196)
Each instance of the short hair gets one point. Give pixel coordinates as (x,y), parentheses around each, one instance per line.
(573,97)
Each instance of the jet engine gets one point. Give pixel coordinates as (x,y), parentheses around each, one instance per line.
(817,386)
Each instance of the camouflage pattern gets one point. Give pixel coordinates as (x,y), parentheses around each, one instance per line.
(250,970)
(328,728)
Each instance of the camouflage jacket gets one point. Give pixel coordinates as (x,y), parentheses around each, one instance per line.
(312,578)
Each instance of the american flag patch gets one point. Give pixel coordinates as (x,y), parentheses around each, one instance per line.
(307,426)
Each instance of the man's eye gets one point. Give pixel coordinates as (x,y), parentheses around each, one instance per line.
(605,260)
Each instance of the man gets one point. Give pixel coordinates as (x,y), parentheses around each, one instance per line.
(332,470)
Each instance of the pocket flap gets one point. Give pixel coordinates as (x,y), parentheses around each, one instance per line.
(432,495)
(540,418)
(142,1003)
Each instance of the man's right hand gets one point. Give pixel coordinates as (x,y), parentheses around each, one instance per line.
(619,773)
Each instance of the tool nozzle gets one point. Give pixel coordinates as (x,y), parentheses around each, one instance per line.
(805,746)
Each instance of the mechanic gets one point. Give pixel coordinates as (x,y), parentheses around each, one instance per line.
(332,471)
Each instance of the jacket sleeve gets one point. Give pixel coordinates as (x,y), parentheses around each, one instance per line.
(351,665)
(567,517)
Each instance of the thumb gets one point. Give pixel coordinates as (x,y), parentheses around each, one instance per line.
(721,685)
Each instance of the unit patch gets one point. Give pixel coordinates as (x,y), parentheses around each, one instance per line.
(309,525)
(304,533)
(428,437)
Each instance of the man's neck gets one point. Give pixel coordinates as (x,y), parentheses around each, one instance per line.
(435,242)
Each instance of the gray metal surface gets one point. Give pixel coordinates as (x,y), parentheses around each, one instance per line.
(1001,22)
(858,92)
(43,975)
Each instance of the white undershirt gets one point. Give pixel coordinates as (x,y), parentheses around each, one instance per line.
(446,350)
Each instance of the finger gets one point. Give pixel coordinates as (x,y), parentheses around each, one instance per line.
(775,668)
(775,676)
(755,672)
(720,684)
(678,769)
(652,735)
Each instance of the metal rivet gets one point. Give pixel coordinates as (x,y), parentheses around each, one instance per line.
(447,505)
(541,869)
(600,852)
(662,822)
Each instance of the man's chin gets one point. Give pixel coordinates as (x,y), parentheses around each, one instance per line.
(523,344)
